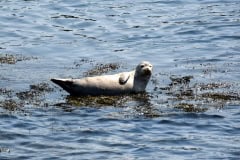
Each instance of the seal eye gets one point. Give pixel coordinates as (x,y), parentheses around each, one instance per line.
(142,66)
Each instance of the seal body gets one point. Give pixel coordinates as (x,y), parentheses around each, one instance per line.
(126,82)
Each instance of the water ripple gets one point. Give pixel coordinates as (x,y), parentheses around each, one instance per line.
(190,110)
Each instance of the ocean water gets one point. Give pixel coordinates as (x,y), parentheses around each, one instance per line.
(191,108)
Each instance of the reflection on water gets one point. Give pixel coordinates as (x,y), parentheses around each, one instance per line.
(191,105)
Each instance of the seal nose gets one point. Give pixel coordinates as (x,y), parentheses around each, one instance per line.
(147,71)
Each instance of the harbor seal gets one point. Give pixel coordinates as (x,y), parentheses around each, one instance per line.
(126,82)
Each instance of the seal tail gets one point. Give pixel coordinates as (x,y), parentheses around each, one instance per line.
(66,84)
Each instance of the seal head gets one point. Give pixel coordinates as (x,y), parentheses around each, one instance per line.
(142,75)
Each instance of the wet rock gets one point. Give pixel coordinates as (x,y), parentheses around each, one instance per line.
(98,101)
(95,101)
(140,104)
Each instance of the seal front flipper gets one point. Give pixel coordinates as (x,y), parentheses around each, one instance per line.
(123,78)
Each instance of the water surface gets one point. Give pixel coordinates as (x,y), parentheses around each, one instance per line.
(191,106)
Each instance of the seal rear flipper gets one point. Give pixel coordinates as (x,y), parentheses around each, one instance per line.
(66,84)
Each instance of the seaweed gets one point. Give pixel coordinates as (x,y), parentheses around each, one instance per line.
(181,93)
(100,68)
(11,105)
(15,101)
(222,96)
(14,58)
(188,107)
